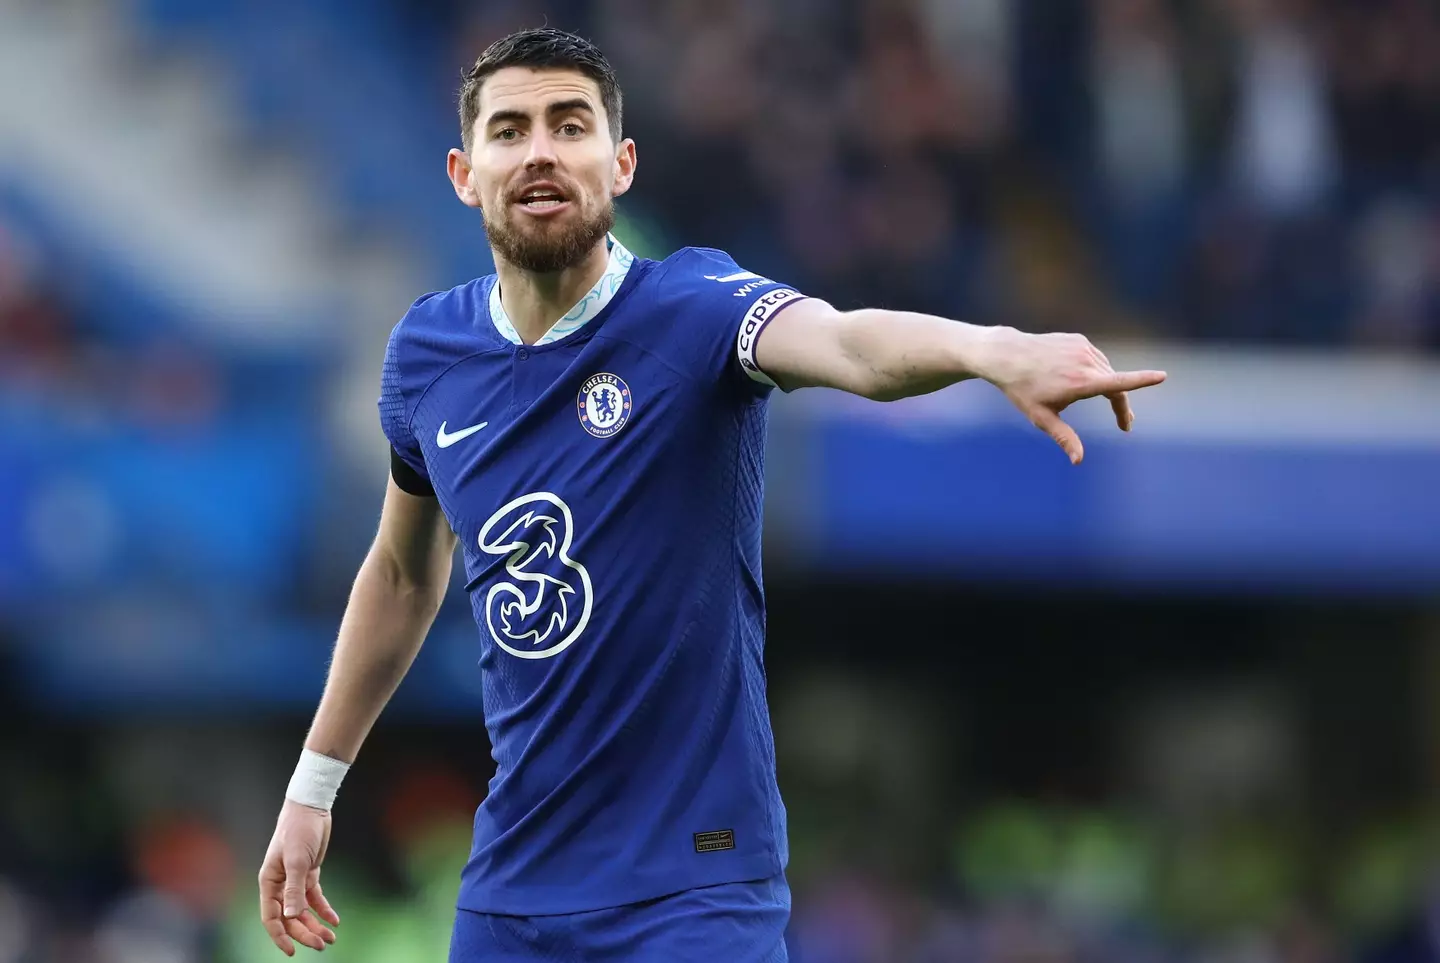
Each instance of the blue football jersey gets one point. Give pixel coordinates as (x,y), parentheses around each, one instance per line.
(606,484)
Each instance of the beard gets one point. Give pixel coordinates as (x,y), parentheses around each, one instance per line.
(548,247)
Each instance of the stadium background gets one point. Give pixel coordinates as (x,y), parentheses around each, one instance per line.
(1177,705)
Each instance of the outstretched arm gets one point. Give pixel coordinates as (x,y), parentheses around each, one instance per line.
(885,355)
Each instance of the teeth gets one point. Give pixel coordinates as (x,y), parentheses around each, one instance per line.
(547,202)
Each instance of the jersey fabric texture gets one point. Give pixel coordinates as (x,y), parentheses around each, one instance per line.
(733,922)
(606,485)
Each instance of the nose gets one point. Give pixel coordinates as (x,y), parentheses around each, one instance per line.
(542,150)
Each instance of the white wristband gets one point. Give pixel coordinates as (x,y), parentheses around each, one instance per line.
(316,780)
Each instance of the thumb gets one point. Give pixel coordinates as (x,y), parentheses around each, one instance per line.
(296,869)
(1054,426)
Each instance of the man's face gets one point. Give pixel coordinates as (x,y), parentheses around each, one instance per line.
(542,167)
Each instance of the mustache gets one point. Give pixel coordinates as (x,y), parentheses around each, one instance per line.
(559,183)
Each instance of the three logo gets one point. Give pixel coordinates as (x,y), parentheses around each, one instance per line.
(543,603)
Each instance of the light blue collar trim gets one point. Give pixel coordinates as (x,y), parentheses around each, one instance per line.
(590,305)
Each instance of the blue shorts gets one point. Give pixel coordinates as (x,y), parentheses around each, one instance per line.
(729,923)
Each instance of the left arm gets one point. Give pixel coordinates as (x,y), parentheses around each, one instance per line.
(885,355)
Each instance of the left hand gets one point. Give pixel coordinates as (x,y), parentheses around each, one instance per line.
(1043,374)
(291,903)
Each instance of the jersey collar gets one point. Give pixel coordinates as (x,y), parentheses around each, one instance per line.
(588,307)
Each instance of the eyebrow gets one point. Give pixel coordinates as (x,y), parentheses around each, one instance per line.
(574,105)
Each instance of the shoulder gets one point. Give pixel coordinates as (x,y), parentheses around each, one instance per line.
(436,330)
(440,311)
(700,269)
(710,281)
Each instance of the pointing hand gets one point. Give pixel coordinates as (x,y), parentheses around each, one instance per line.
(1043,374)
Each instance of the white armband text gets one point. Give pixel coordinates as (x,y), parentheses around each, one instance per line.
(753,322)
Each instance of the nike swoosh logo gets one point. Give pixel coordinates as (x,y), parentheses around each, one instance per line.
(445,441)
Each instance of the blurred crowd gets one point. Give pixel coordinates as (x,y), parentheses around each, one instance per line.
(1014,883)
(58,353)
(1190,829)
(1035,884)
(1241,170)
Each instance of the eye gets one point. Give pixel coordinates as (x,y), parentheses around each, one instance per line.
(507,133)
(571,129)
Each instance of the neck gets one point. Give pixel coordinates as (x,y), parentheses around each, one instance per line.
(535,302)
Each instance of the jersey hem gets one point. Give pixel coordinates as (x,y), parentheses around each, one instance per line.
(503,900)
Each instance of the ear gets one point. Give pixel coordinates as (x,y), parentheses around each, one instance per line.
(457,163)
(624,167)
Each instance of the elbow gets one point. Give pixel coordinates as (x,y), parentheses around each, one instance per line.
(872,383)
(876,388)
(419,585)
(858,372)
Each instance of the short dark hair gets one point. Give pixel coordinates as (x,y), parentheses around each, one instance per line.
(541,48)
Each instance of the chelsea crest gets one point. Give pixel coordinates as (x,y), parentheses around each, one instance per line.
(603,404)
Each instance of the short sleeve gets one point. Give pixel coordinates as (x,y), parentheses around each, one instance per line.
(407,461)
(737,306)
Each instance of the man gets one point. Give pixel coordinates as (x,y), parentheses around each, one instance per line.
(591,425)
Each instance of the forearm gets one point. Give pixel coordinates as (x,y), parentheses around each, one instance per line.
(898,354)
(383,628)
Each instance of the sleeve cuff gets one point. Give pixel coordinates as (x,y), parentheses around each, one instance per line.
(752,325)
(407,479)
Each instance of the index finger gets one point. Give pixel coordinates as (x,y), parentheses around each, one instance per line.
(1129,381)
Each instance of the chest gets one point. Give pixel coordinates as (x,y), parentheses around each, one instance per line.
(587,420)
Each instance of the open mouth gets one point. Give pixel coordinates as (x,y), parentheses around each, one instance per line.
(542,197)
